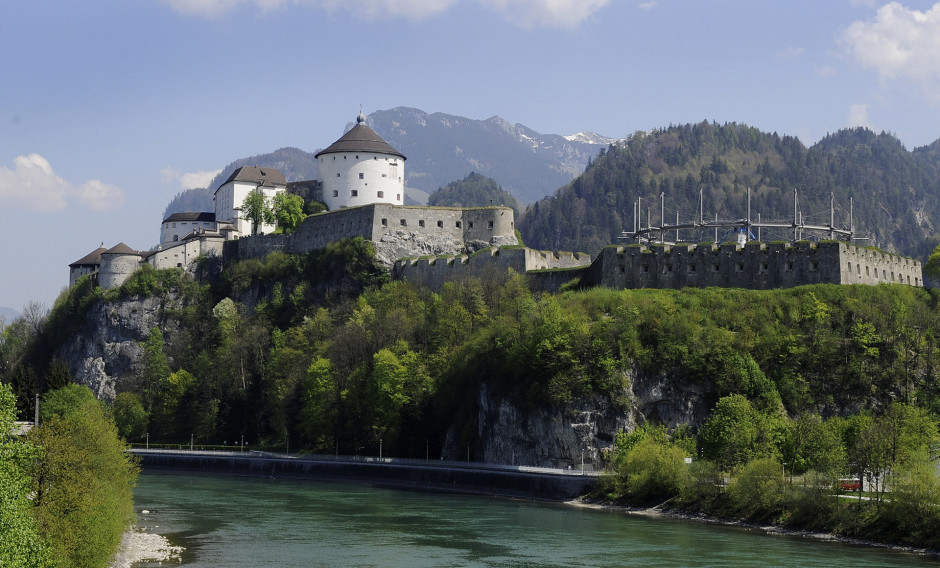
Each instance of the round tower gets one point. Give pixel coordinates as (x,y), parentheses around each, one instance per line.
(360,168)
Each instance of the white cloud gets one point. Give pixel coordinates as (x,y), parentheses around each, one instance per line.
(187,180)
(858,116)
(33,185)
(900,43)
(415,9)
(524,13)
(549,13)
(647,6)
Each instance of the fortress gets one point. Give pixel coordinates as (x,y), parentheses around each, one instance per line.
(361,183)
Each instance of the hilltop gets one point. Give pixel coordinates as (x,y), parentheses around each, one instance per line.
(894,193)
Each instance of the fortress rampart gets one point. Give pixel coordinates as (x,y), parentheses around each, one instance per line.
(434,272)
(757,266)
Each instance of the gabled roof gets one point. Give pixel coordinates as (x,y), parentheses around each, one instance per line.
(91,259)
(121,248)
(361,138)
(191,216)
(268,177)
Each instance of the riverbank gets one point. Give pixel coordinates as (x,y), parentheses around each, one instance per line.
(140,545)
(429,475)
(658,512)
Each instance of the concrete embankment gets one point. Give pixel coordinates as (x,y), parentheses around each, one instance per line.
(532,483)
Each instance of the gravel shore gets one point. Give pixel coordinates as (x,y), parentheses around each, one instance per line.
(138,545)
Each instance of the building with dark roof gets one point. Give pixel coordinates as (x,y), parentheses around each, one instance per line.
(361,169)
(178,225)
(230,196)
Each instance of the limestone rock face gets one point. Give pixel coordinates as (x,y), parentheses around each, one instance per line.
(560,436)
(401,243)
(106,352)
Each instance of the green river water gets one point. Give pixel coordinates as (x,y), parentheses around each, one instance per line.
(233,521)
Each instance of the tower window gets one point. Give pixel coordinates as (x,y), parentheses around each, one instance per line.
(440,224)
(385,222)
(489,224)
(362,175)
(458,224)
(380,194)
(421,222)
(404,223)
(355,193)
(335,193)
(337,174)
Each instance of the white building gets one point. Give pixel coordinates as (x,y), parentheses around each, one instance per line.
(178,225)
(360,169)
(230,196)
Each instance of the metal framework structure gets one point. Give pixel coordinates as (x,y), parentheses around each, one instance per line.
(648,233)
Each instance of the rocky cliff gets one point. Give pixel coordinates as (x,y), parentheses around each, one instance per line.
(105,353)
(560,436)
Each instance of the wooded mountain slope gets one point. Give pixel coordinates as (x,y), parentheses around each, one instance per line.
(896,192)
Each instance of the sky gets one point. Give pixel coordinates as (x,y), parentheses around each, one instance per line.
(109,108)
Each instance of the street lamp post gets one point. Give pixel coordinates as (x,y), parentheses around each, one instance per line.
(148,440)
(380,448)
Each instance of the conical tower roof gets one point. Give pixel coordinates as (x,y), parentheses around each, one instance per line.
(361,138)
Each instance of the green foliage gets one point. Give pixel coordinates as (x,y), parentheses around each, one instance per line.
(932,266)
(756,489)
(724,161)
(736,433)
(83,482)
(257,210)
(475,190)
(652,470)
(21,545)
(288,211)
(130,418)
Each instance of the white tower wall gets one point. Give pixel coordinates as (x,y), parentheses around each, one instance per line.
(351,179)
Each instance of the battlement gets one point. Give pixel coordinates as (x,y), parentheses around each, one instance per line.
(756,265)
(433,272)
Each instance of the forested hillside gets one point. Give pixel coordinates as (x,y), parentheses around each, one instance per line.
(896,192)
(475,190)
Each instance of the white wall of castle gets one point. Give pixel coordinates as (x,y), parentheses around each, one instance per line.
(173,232)
(184,252)
(116,268)
(351,179)
(228,205)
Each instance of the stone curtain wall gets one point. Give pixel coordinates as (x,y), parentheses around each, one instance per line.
(755,266)
(185,252)
(557,267)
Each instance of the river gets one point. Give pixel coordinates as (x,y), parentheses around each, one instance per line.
(236,521)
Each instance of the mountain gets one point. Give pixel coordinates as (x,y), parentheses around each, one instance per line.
(442,148)
(8,314)
(893,192)
(475,190)
(294,163)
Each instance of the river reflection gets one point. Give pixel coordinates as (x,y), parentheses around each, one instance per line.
(231,521)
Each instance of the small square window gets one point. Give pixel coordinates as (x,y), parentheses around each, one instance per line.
(385,222)
(440,224)
(421,223)
(645,268)
(335,193)
(404,223)
(362,175)
(380,194)
(337,174)
(471,224)
(355,193)
(489,224)
(458,224)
